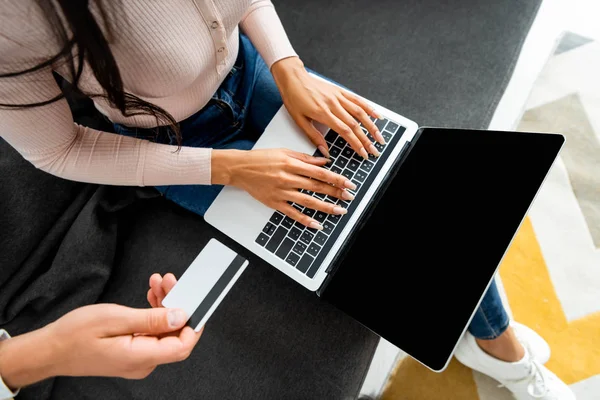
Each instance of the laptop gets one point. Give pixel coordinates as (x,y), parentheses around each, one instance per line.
(431,220)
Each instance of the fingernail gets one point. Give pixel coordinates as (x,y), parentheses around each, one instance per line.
(349,185)
(339,210)
(347,195)
(315,225)
(379,137)
(176,318)
(324,151)
(363,153)
(373,150)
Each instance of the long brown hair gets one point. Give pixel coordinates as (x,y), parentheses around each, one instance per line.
(90,45)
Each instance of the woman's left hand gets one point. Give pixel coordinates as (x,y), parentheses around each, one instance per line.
(308,98)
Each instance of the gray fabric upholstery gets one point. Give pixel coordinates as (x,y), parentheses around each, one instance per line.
(65,244)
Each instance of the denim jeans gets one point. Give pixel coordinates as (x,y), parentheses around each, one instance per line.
(234,118)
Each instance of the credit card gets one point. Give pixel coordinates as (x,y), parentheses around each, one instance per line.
(206,282)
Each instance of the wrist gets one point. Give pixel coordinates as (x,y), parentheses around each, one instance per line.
(26,359)
(222,166)
(287,68)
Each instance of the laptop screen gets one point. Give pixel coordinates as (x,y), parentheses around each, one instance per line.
(419,266)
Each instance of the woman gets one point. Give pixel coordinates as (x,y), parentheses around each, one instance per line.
(210,75)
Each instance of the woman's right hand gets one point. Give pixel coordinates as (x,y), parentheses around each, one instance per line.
(275,176)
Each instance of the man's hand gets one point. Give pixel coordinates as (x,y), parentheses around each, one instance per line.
(308,98)
(100,340)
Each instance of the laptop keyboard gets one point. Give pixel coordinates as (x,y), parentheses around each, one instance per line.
(304,248)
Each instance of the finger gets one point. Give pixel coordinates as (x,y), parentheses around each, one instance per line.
(362,103)
(327,207)
(152,299)
(296,215)
(319,161)
(346,132)
(156,286)
(120,320)
(320,187)
(313,133)
(149,350)
(322,175)
(168,283)
(358,112)
(350,121)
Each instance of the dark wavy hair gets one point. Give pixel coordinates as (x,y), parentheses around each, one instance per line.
(81,35)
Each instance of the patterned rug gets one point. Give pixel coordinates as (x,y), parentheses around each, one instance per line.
(551,274)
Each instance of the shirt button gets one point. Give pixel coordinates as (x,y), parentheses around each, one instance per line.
(214,25)
(221,49)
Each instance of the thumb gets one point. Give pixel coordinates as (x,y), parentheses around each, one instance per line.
(154,321)
(314,135)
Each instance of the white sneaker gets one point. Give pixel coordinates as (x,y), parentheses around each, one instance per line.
(532,341)
(527,379)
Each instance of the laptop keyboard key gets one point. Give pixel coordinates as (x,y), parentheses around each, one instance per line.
(328,227)
(343,203)
(313,249)
(353,165)
(276,239)
(336,170)
(341,162)
(334,151)
(306,237)
(331,136)
(391,126)
(380,124)
(292,259)
(285,248)
(321,238)
(360,176)
(276,218)
(380,147)
(347,152)
(269,228)
(386,135)
(347,173)
(299,247)
(334,218)
(287,222)
(308,211)
(366,166)
(294,233)
(262,239)
(320,216)
(340,142)
(304,263)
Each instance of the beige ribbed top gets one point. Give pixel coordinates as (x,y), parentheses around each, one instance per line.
(173,53)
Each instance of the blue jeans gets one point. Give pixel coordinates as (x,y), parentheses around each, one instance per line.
(234,118)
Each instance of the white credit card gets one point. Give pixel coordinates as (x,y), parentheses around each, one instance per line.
(205,283)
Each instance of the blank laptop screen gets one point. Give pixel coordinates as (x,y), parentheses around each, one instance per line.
(418,268)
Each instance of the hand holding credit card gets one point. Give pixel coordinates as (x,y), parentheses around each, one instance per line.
(206,282)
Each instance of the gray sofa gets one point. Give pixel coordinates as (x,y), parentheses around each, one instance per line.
(65,244)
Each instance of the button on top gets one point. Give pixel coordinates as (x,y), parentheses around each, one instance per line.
(221,49)
(214,25)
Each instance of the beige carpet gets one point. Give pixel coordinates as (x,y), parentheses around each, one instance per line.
(551,274)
